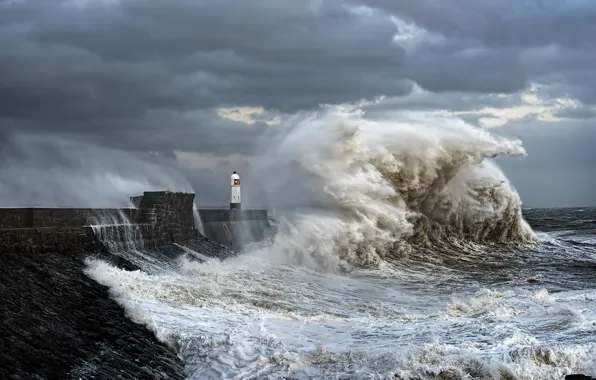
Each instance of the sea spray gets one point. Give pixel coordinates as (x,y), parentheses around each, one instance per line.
(118,233)
(197,219)
(371,190)
(126,242)
(55,171)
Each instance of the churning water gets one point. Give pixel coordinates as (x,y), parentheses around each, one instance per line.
(415,264)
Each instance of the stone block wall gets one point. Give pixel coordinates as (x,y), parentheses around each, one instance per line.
(235,228)
(170,214)
(235,215)
(161,218)
(67,240)
(16,218)
(63,217)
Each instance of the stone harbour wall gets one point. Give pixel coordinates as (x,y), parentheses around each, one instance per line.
(68,240)
(63,217)
(235,228)
(158,218)
(58,323)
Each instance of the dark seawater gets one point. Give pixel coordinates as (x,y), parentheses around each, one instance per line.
(566,257)
(492,312)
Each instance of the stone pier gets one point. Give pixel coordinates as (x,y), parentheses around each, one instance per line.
(160,218)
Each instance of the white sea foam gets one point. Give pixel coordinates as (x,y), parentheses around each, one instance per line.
(247,318)
(370,190)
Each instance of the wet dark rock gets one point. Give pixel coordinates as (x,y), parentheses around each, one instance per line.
(578,377)
(117,261)
(59,324)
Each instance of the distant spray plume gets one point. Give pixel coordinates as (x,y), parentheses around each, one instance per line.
(51,171)
(366,189)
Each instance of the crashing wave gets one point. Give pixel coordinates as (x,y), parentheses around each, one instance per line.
(370,190)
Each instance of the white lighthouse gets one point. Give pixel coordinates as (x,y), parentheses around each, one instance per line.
(235,191)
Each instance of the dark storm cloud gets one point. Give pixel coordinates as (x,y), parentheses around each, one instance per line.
(163,131)
(453,101)
(441,68)
(501,45)
(147,75)
(503,22)
(107,65)
(119,59)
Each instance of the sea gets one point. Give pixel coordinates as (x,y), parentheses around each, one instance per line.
(407,255)
(527,313)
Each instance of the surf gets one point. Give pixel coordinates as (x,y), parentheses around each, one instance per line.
(370,190)
(401,251)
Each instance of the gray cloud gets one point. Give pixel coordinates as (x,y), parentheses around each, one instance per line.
(147,75)
(499,46)
(559,168)
(503,22)
(577,113)
(121,59)
(453,101)
(114,62)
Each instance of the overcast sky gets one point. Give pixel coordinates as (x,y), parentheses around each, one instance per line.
(194,83)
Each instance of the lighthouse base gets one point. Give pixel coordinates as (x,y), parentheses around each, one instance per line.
(234,206)
(236,229)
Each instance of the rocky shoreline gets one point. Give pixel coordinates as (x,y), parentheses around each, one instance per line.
(57,323)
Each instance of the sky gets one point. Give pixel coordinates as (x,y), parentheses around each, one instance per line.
(194,84)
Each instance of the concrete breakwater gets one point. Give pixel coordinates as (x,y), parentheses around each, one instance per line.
(157,219)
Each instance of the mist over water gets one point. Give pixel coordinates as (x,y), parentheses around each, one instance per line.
(52,171)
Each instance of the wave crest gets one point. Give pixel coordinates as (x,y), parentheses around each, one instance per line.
(368,190)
